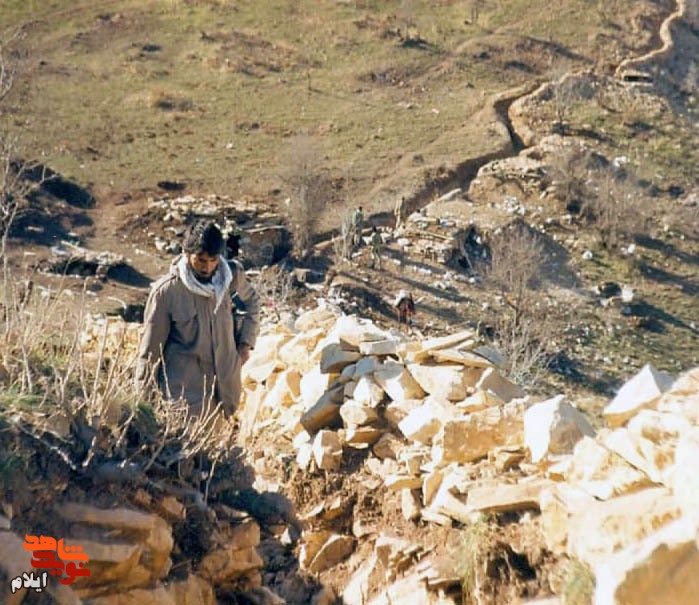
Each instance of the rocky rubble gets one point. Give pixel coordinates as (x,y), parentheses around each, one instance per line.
(435,424)
(263,238)
(443,427)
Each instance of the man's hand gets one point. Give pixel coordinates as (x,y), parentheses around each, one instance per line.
(244,353)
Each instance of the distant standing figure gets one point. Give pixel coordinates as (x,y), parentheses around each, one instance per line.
(357,226)
(399,213)
(376,244)
(405,306)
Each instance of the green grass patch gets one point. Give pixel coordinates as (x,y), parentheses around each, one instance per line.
(171,88)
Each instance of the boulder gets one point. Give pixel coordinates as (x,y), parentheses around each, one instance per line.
(286,390)
(395,412)
(507,497)
(602,473)
(366,365)
(397,482)
(395,379)
(448,381)
(440,343)
(687,383)
(336,549)
(379,347)
(661,568)
(648,442)
(227,564)
(313,385)
(557,504)
(618,523)
(466,358)
(311,543)
(683,405)
(327,450)
(354,330)
(554,426)
(357,588)
(354,413)
(446,503)
(424,422)
(368,391)
(685,479)
(334,358)
(325,412)
(638,393)
(430,485)
(500,387)
(152,535)
(245,535)
(358,436)
(388,446)
(480,400)
(296,353)
(467,439)
(320,317)
(304,456)
(410,505)
(171,508)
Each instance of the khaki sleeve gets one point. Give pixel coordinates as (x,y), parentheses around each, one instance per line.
(156,329)
(251,305)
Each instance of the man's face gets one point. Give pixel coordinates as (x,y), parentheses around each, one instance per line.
(203,265)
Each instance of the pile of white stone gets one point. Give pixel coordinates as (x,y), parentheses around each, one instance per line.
(458,439)
(109,338)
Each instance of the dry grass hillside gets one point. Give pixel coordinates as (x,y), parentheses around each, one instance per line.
(121,95)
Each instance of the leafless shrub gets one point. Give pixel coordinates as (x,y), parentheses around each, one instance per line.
(568,174)
(273,285)
(48,370)
(343,241)
(523,328)
(15,185)
(562,99)
(406,14)
(615,209)
(302,175)
(475,9)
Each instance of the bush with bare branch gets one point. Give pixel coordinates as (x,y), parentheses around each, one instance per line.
(475,9)
(616,209)
(523,328)
(273,285)
(302,176)
(568,173)
(18,178)
(343,241)
(51,375)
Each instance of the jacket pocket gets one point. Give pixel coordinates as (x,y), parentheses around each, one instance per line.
(185,327)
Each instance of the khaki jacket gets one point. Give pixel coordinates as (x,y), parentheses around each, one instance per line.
(196,345)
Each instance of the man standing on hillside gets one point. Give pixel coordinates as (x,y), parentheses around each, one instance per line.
(399,213)
(376,246)
(357,226)
(189,343)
